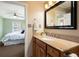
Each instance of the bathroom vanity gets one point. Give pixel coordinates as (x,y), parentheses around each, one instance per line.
(53,47)
(62,15)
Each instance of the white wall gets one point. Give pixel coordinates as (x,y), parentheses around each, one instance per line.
(34,10)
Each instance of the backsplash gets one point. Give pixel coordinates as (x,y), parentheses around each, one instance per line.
(66,37)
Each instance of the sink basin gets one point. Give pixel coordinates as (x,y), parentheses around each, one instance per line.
(48,38)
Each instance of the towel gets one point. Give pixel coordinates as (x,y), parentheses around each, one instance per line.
(73,55)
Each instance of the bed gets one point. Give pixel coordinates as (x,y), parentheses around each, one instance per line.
(12,45)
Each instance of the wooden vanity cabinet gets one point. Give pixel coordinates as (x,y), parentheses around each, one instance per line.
(39,48)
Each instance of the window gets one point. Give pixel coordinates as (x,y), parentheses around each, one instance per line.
(16,26)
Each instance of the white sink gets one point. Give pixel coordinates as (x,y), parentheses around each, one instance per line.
(48,38)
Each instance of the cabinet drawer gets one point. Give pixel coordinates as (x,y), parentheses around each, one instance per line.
(41,44)
(51,51)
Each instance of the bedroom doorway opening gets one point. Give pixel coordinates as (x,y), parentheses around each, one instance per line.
(12,28)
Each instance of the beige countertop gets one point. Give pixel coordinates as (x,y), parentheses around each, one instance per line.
(57,43)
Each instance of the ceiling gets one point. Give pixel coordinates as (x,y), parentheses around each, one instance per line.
(33,1)
(8,9)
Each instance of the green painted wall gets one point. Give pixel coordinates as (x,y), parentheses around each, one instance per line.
(7,25)
(1,28)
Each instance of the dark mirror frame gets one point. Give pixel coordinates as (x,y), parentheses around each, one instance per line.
(73,16)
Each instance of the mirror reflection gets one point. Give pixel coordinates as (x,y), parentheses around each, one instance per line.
(60,15)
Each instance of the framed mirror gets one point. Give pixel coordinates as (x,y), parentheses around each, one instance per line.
(62,15)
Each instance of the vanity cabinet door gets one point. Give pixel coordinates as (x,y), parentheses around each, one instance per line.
(34,49)
(34,46)
(52,52)
(42,52)
(37,51)
(41,44)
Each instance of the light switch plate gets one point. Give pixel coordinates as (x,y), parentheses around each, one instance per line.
(29,25)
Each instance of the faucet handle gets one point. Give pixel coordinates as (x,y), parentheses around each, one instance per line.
(43,34)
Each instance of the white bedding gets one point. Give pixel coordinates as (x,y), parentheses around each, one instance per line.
(7,43)
(13,36)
